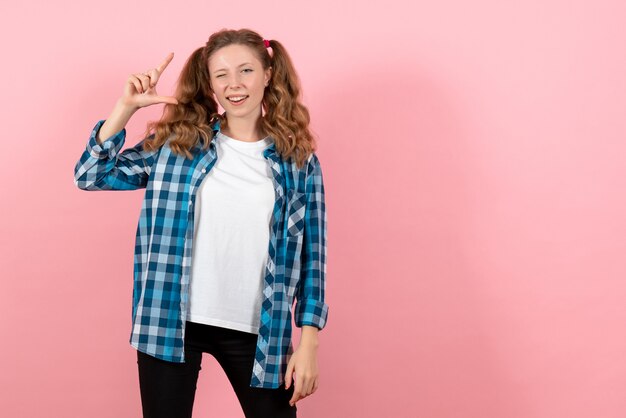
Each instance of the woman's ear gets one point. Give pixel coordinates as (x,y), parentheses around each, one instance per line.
(268,75)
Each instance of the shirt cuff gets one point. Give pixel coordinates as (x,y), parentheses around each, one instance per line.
(110,147)
(311,312)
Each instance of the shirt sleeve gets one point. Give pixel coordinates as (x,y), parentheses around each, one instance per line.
(311,308)
(104,167)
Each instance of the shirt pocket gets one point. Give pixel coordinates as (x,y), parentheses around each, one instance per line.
(295,213)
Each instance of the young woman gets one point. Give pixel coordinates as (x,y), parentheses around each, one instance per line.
(232,230)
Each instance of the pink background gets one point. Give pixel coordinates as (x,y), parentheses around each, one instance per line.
(474,164)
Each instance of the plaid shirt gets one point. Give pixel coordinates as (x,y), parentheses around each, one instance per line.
(296,263)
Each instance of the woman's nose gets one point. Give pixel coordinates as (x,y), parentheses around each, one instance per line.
(234,80)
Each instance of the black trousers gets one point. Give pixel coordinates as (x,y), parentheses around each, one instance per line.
(168,389)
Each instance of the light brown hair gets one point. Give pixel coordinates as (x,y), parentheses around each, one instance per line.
(286,119)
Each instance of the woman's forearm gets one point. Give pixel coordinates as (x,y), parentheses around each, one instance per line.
(309,335)
(116,121)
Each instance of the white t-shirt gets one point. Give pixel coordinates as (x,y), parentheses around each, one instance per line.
(233,211)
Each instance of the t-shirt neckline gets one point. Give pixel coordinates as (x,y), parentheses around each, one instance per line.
(261,143)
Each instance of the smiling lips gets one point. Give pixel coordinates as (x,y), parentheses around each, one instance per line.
(237,100)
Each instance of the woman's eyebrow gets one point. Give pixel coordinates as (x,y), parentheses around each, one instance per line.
(224,69)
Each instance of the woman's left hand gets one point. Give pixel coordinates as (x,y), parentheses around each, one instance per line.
(304,363)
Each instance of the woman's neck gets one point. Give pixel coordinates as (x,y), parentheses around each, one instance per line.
(242,130)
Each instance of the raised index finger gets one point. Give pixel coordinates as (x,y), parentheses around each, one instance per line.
(165,62)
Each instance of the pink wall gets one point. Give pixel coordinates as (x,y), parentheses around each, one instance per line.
(474,163)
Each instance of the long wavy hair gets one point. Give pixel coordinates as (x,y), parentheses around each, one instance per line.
(286,119)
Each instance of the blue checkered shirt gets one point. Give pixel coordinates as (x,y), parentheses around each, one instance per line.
(296,262)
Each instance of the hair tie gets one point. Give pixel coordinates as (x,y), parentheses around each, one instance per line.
(267,43)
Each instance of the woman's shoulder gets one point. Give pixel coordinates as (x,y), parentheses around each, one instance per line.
(313,162)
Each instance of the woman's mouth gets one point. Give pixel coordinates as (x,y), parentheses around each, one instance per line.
(237,100)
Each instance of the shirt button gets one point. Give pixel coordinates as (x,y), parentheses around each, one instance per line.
(190,203)
(204,170)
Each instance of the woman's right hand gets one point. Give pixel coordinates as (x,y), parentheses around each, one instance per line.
(140,89)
